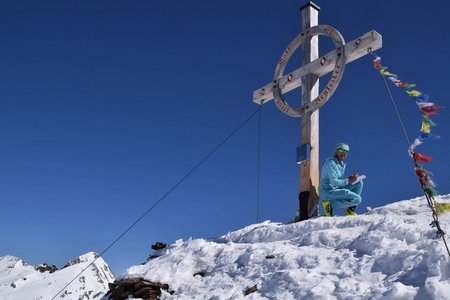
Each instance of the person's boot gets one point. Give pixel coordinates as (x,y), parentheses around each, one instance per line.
(350,211)
(327,209)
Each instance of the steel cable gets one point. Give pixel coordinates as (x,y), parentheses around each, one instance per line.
(188,174)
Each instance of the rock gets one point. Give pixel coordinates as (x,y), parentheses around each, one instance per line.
(147,293)
(201,274)
(136,288)
(251,290)
(46,268)
(112,285)
(129,282)
(117,293)
(153,256)
(159,246)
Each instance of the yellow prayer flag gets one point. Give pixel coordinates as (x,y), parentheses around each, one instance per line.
(425,127)
(386,73)
(414,93)
(442,207)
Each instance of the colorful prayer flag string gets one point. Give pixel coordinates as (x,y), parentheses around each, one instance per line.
(427,109)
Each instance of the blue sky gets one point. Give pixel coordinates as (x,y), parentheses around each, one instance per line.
(105,105)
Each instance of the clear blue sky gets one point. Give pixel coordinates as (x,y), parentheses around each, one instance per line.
(105,105)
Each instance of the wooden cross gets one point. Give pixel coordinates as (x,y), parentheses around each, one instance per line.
(307,76)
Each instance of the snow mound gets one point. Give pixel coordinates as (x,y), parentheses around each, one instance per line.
(389,253)
(19,281)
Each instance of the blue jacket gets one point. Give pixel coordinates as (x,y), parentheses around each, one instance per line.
(332,176)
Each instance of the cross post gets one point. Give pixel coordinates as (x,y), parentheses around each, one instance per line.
(307,76)
(309,169)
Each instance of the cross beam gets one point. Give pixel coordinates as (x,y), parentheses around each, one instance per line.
(321,66)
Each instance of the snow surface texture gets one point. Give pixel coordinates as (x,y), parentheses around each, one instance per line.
(389,253)
(20,281)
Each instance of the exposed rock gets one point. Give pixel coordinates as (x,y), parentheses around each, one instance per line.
(153,256)
(46,268)
(201,274)
(136,288)
(129,282)
(112,285)
(159,246)
(251,290)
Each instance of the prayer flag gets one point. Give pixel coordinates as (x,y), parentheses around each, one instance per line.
(429,191)
(416,143)
(414,93)
(427,120)
(422,157)
(423,136)
(429,110)
(386,73)
(425,127)
(423,104)
(376,63)
(422,98)
(441,207)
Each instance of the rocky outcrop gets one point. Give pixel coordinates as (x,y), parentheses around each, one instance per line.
(159,246)
(45,268)
(136,288)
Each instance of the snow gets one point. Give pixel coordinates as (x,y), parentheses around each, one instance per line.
(391,252)
(19,281)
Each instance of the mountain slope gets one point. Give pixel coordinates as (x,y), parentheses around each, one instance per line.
(391,253)
(20,281)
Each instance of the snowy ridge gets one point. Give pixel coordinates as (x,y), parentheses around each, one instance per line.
(390,253)
(20,281)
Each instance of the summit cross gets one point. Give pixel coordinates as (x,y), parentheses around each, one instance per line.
(307,76)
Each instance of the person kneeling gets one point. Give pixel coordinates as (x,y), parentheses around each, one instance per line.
(335,191)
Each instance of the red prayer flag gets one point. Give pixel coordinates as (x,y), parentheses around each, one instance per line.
(430,110)
(421,172)
(376,64)
(422,157)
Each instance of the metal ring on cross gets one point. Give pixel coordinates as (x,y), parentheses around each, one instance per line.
(332,84)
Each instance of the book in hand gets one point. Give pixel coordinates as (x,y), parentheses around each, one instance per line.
(359,178)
